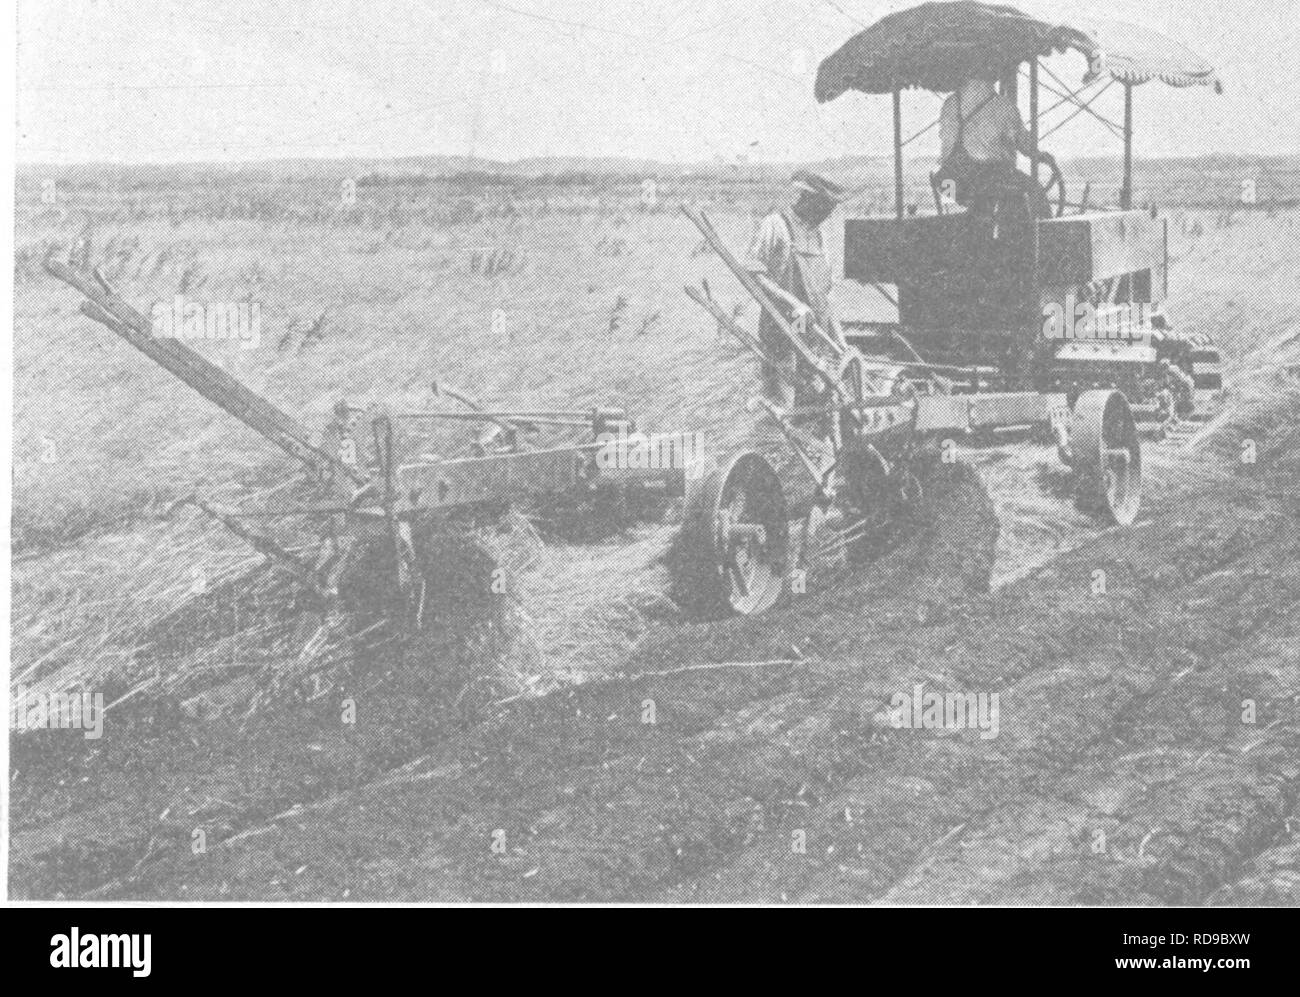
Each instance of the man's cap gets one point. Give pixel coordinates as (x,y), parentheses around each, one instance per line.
(814,183)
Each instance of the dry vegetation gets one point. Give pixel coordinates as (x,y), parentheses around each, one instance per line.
(371,298)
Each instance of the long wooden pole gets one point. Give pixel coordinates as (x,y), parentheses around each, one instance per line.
(1033,118)
(1126,191)
(898,153)
(206,378)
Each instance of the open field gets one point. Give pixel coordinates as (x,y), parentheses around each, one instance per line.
(1120,714)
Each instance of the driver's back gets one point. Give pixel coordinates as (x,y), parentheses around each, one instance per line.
(987,121)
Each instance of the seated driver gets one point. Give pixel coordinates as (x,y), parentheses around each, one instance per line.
(980,132)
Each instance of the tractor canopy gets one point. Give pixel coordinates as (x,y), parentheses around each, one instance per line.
(939,46)
(1132,55)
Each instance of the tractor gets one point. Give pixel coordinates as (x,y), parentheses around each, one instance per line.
(1051,324)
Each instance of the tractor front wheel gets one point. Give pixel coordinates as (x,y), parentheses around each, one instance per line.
(1107,456)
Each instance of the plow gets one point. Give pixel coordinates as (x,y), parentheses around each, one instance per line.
(375,496)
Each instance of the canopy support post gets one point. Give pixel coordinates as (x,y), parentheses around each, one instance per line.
(1033,119)
(1126,190)
(898,152)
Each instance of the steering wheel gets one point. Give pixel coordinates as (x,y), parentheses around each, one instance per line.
(1055,181)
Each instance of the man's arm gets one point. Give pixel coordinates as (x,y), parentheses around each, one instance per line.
(1024,144)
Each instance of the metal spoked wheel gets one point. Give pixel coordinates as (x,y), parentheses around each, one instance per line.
(1055,182)
(734,544)
(1107,456)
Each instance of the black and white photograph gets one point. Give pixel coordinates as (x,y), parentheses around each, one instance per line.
(707,452)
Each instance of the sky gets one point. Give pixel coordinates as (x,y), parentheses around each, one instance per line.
(675,80)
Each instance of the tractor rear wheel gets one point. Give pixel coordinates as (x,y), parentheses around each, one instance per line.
(732,553)
(1107,456)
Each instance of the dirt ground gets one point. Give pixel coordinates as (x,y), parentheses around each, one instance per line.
(1147,751)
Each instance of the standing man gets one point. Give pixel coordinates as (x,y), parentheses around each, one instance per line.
(790,252)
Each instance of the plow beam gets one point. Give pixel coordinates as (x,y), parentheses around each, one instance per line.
(938,413)
(511,477)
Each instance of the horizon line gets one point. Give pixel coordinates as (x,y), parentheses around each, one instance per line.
(714,164)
